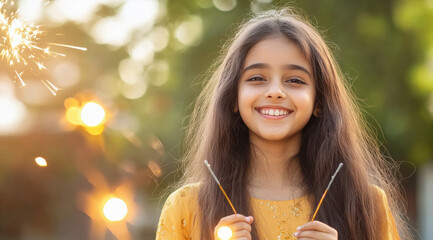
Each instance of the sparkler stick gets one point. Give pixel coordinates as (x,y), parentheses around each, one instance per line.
(219,184)
(326,191)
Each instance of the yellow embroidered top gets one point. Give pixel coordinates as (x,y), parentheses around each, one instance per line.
(274,220)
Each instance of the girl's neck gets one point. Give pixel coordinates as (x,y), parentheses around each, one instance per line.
(275,172)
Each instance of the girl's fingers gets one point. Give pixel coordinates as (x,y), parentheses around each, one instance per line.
(304,235)
(318,226)
(232,219)
(238,224)
(241,235)
(316,230)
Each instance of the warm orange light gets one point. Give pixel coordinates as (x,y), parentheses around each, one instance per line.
(92,114)
(154,167)
(225,233)
(71,102)
(41,161)
(115,209)
(95,130)
(73,115)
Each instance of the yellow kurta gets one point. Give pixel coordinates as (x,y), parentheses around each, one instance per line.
(274,220)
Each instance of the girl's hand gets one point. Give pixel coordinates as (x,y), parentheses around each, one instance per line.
(316,230)
(239,224)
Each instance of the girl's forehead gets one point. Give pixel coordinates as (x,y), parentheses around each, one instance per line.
(276,50)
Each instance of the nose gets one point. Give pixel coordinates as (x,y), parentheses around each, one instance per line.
(275,91)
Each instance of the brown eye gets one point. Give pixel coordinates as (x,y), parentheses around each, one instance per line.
(255,79)
(295,80)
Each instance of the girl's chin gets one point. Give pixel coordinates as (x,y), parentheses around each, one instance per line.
(274,137)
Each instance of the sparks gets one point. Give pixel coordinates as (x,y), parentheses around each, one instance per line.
(53,89)
(21,45)
(69,46)
(19,77)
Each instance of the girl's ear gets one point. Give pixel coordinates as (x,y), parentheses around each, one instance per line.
(317,111)
(236,108)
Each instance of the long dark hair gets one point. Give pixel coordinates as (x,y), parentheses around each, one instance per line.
(338,134)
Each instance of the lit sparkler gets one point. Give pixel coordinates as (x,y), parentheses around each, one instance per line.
(21,45)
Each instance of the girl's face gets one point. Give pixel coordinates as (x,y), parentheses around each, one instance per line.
(276,90)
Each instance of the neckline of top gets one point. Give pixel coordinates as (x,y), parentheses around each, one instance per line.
(281,201)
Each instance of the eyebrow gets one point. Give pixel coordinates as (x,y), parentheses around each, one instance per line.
(287,66)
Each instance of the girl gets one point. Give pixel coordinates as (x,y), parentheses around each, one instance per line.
(274,122)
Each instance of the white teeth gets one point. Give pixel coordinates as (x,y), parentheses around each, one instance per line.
(274,112)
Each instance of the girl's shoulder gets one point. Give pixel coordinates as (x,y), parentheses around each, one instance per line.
(178,216)
(186,194)
(381,197)
(388,221)
(380,193)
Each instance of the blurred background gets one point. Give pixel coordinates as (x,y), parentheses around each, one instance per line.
(89,141)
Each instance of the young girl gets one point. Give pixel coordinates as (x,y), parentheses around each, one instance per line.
(274,122)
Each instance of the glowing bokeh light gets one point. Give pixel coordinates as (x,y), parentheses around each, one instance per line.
(134,91)
(160,37)
(189,32)
(73,115)
(225,5)
(225,233)
(41,161)
(71,102)
(154,167)
(12,112)
(142,51)
(130,71)
(92,114)
(66,74)
(133,16)
(115,209)
(158,73)
(30,10)
(110,30)
(98,130)
(78,11)
(138,13)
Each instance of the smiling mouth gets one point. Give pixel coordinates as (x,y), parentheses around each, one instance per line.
(274,111)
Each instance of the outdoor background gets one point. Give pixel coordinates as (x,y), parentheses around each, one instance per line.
(144,66)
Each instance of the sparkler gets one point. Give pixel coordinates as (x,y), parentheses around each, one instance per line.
(21,45)
(219,184)
(326,191)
